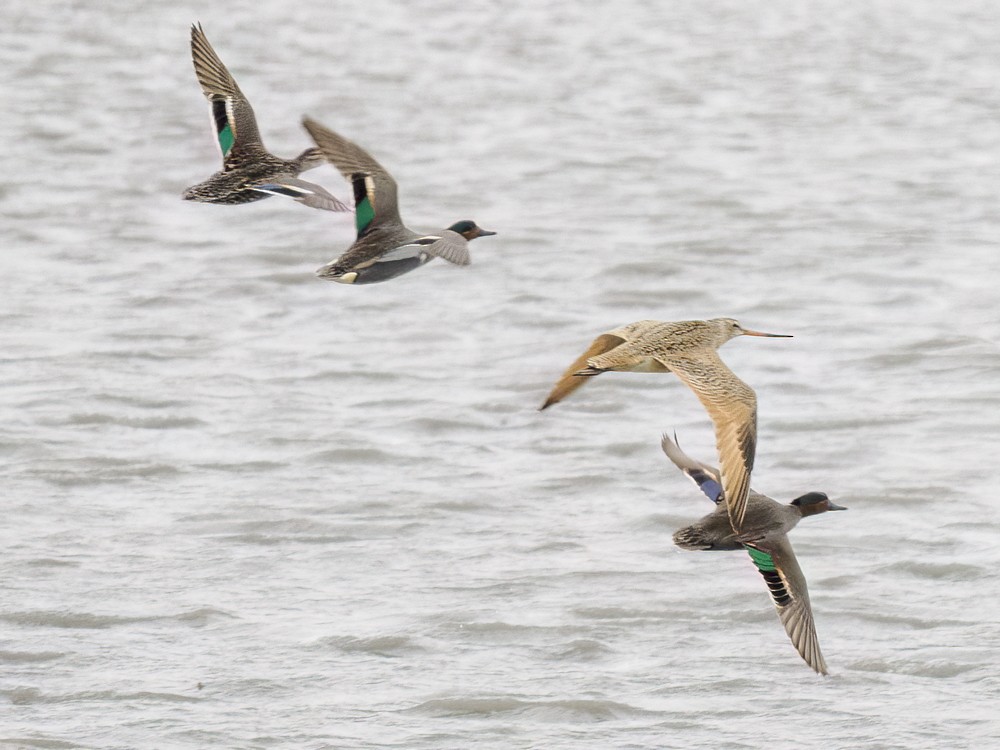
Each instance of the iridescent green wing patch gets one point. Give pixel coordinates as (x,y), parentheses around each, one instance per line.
(364,211)
(765,564)
(227,138)
(763,561)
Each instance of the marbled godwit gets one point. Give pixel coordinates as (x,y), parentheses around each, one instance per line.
(687,349)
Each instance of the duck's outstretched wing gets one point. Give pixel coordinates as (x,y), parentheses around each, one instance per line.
(448,245)
(706,477)
(787,585)
(454,248)
(375,191)
(308,193)
(232,115)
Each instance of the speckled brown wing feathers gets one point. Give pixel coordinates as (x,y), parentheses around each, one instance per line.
(229,105)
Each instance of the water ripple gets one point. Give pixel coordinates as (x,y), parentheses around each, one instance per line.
(567,710)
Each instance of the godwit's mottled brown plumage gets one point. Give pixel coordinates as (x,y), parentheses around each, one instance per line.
(249,171)
(765,537)
(687,349)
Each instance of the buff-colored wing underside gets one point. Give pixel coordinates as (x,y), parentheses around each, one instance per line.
(569,381)
(787,586)
(732,407)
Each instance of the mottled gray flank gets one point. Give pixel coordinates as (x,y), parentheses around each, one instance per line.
(243,508)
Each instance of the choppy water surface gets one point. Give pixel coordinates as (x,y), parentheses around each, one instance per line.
(245,508)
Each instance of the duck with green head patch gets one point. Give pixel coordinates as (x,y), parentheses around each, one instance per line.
(385,247)
(249,171)
(764,535)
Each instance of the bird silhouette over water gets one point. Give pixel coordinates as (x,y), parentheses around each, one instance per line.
(249,171)
(687,349)
(385,247)
(765,537)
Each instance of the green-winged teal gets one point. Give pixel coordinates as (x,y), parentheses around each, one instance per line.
(384,247)
(687,349)
(249,171)
(765,536)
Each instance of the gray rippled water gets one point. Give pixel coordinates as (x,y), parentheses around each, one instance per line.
(245,508)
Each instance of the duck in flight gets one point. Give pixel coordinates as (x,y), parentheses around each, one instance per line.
(385,247)
(765,537)
(249,171)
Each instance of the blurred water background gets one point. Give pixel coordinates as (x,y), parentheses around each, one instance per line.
(244,508)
